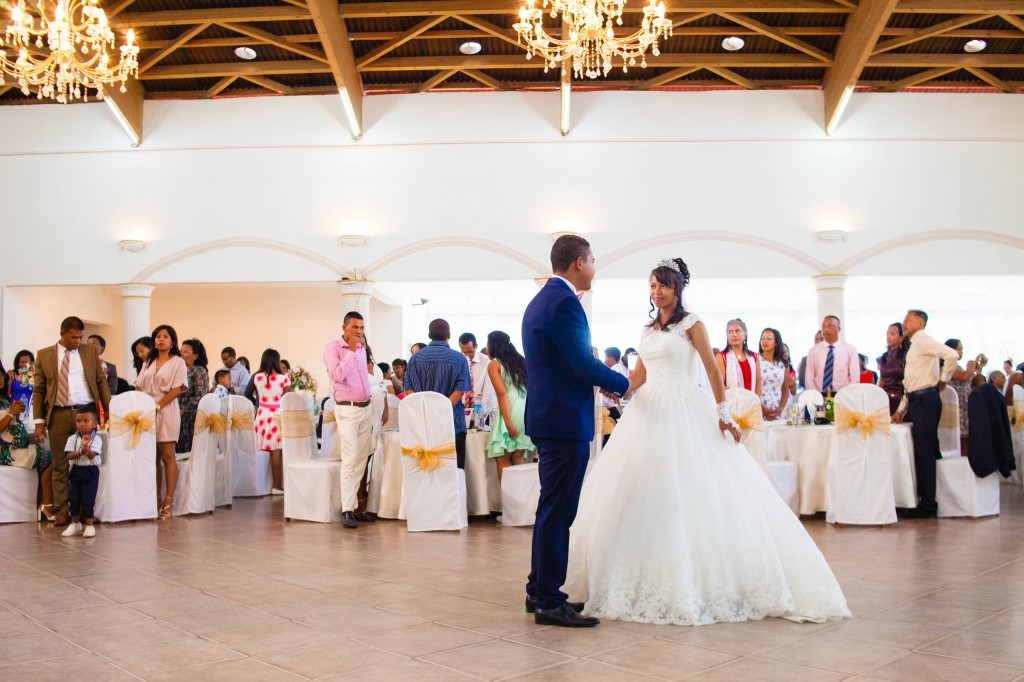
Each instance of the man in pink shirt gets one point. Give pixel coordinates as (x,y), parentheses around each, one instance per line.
(832,364)
(346,365)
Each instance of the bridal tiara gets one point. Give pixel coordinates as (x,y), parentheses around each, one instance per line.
(670,263)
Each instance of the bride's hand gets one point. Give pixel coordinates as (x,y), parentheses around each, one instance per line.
(730,428)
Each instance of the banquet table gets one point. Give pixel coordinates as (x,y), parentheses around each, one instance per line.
(483,494)
(810,448)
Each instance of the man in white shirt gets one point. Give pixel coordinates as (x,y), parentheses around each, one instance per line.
(239,374)
(478,374)
(832,364)
(923,381)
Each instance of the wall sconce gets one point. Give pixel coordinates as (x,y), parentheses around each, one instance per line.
(132,245)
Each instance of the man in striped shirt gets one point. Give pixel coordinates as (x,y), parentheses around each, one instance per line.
(441,369)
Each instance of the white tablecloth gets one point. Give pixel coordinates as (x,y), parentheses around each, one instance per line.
(483,494)
(810,447)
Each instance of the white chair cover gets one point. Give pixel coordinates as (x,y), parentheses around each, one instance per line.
(224,479)
(784,478)
(745,408)
(18,494)
(378,403)
(330,446)
(385,495)
(483,494)
(250,468)
(312,485)
(949,423)
(807,398)
(197,476)
(127,488)
(860,487)
(960,492)
(433,500)
(393,418)
(520,493)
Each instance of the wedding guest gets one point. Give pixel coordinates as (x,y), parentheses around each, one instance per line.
(923,382)
(416,347)
(998,380)
(774,375)
(385,369)
(163,378)
(5,383)
(891,363)
(222,383)
(15,450)
(68,377)
(84,452)
(802,372)
(345,359)
(991,447)
(380,386)
(961,383)
(140,351)
(738,365)
(244,362)
(109,368)
(443,370)
(626,355)
(21,377)
(271,385)
(832,364)
(1008,366)
(286,367)
(398,366)
(612,360)
(193,352)
(867,376)
(239,372)
(480,386)
(509,443)
(789,369)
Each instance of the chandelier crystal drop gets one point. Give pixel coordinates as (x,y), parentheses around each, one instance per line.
(592,44)
(62,49)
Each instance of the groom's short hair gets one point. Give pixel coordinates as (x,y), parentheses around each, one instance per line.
(566,250)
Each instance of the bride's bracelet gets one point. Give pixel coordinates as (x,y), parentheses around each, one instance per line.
(723,414)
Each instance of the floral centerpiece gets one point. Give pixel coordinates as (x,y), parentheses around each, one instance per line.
(303,381)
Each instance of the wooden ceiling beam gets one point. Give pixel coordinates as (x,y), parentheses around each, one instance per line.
(127,107)
(917,79)
(334,37)
(400,39)
(862,31)
(665,60)
(776,34)
(960,61)
(256,68)
(928,32)
(183,17)
(174,45)
(960,7)
(219,87)
(272,39)
(733,77)
(270,84)
(995,82)
(489,81)
(297,3)
(508,35)
(371,10)
(667,77)
(117,8)
(435,80)
(1013,20)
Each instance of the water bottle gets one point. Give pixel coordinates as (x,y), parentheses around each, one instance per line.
(478,410)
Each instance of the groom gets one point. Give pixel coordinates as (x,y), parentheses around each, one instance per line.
(561,374)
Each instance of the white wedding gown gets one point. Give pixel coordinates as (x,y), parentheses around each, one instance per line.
(679,525)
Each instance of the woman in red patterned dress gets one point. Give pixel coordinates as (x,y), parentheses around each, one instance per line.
(271,384)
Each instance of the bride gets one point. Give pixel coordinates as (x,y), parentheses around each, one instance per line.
(677,523)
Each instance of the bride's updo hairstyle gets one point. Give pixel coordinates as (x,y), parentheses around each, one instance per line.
(676,280)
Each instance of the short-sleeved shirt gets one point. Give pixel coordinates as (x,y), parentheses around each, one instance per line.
(443,370)
(75,444)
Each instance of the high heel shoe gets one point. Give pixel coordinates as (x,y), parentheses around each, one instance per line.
(167,510)
(46,515)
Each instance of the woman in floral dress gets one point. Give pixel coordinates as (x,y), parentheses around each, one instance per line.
(193,352)
(271,385)
(774,376)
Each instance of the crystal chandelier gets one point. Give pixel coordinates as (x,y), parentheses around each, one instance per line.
(592,42)
(77,37)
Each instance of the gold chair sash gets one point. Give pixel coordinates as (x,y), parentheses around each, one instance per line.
(241,421)
(295,423)
(328,416)
(430,460)
(210,422)
(751,419)
(950,416)
(1018,407)
(138,422)
(867,424)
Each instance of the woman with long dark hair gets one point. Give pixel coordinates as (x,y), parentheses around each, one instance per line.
(271,384)
(739,367)
(507,371)
(774,375)
(19,378)
(193,352)
(891,364)
(163,377)
(140,352)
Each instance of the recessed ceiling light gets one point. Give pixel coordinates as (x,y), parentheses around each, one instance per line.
(353,241)
(131,245)
(832,236)
(470,47)
(975,45)
(245,53)
(733,43)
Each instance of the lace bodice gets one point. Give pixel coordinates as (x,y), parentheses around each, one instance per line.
(669,355)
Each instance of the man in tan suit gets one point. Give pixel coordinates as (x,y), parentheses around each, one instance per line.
(68,376)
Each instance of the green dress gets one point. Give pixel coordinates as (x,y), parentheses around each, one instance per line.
(501,443)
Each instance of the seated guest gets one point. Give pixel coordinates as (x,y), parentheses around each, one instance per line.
(140,352)
(832,364)
(991,447)
(507,372)
(802,372)
(961,383)
(416,348)
(443,370)
(239,372)
(398,366)
(890,365)
(867,376)
(774,375)
(109,368)
(15,450)
(739,366)
(20,378)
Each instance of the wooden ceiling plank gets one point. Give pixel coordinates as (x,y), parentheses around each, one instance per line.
(219,87)
(508,35)
(994,81)
(220,70)
(960,61)
(174,45)
(734,77)
(862,31)
(127,107)
(376,10)
(960,7)
(117,8)
(482,77)
(776,34)
(435,80)
(336,43)
(667,77)
(180,17)
(928,32)
(297,3)
(1013,20)
(270,84)
(273,39)
(664,60)
(917,79)
(400,39)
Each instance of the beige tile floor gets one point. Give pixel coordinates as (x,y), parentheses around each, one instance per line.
(241,595)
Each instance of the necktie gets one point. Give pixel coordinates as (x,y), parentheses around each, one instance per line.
(826,381)
(62,379)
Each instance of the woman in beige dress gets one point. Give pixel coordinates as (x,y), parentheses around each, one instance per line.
(164,375)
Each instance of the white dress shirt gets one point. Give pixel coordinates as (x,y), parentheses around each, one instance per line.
(78,391)
(481,381)
(239,378)
(921,368)
(845,365)
(75,444)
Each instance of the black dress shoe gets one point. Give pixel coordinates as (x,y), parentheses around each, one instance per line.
(563,616)
(363,518)
(348,519)
(531,605)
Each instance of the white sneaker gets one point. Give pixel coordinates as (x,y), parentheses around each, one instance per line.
(90,532)
(276,491)
(72,530)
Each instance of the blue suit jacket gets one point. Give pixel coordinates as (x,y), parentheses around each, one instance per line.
(561,368)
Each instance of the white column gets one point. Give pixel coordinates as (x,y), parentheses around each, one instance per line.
(135,300)
(355,296)
(831,299)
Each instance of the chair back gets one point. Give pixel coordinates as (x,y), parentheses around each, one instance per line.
(298,430)
(131,440)
(808,400)
(330,446)
(426,421)
(127,487)
(949,423)
(745,408)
